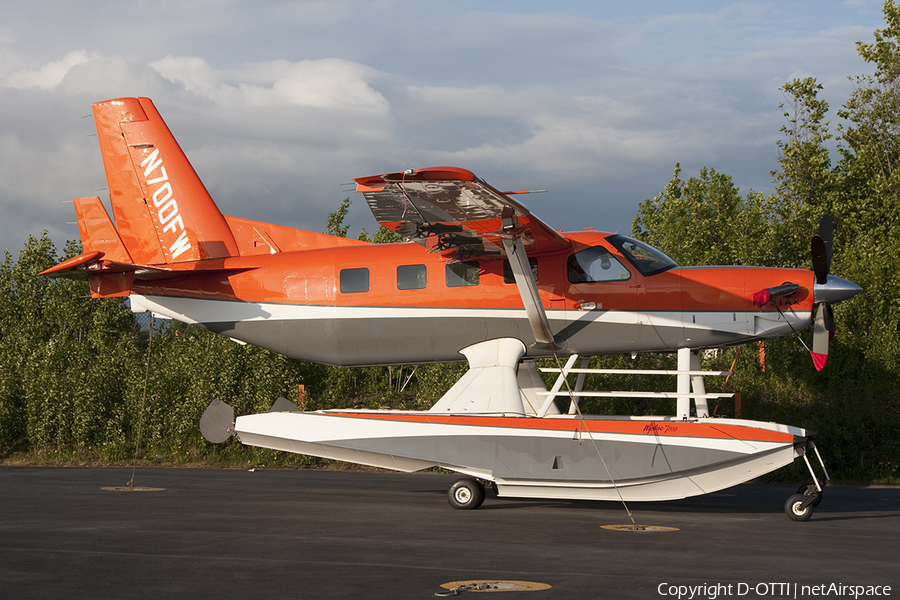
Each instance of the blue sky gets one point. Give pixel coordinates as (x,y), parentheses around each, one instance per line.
(280,104)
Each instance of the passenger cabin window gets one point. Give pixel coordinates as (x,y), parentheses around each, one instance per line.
(354,281)
(412,277)
(462,274)
(594,265)
(508,276)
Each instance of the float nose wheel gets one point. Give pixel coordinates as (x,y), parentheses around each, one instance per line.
(466,494)
(799,507)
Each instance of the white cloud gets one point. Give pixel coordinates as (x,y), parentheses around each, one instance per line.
(278,104)
(328,83)
(51,74)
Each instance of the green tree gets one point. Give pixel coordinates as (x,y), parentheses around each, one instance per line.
(382,236)
(705,221)
(335,226)
(805,183)
(189,367)
(335,223)
(65,358)
(868,208)
(854,402)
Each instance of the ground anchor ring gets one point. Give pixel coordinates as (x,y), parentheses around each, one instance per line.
(454,588)
(632,527)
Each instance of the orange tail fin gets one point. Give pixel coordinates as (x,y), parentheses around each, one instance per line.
(97,231)
(163,212)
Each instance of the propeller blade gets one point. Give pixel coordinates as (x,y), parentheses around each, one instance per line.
(826,291)
(820,260)
(821,336)
(829,318)
(826,232)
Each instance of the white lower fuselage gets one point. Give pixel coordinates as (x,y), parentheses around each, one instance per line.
(361,335)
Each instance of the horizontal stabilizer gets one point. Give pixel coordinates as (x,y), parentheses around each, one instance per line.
(95,262)
(75,267)
(109,278)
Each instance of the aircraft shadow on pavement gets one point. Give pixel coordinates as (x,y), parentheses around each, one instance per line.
(748,498)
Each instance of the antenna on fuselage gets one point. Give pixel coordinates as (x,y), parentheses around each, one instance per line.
(517,192)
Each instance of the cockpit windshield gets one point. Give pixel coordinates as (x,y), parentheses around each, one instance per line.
(647,259)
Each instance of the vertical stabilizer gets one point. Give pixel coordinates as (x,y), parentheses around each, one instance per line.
(97,230)
(98,234)
(163,212)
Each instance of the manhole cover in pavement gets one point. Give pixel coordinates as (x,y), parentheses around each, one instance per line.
(487,585)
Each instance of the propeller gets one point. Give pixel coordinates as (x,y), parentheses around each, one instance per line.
(827,290)
(821,249)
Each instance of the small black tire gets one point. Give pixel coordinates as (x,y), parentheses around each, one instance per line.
(793,510)
(810,488)
(465,494)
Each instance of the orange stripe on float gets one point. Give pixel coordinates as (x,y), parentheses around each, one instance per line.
(659,428)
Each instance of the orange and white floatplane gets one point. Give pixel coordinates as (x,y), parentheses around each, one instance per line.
(478,276)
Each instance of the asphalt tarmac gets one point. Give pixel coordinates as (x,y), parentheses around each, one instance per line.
(271,534)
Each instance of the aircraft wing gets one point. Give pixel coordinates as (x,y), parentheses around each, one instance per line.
(453,212)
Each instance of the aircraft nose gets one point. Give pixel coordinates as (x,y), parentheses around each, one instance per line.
(835,290)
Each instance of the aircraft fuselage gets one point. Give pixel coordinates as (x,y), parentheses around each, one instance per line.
(371,304)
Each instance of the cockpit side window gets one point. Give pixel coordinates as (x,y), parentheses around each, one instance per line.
(594,265)
(647,259)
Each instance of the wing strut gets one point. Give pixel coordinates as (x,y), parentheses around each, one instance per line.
(531,298)
(537,317)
